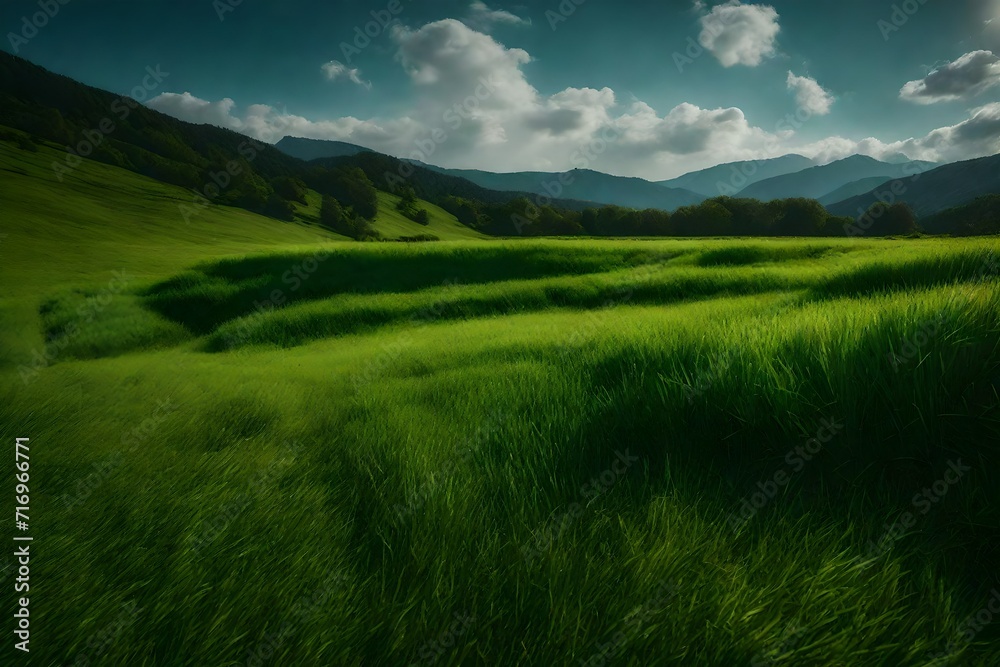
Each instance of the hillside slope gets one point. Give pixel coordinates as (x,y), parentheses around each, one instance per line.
(946,187)
(224,166)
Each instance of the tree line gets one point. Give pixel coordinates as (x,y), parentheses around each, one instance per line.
(720,216)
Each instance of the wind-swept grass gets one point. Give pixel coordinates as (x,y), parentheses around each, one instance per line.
(444,482)
(505,453)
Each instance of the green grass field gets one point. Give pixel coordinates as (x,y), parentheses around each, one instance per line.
(261,445)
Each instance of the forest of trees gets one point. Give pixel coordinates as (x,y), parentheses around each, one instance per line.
(978,217)
(407,205)
(334,216)
(721,216)
(221,165)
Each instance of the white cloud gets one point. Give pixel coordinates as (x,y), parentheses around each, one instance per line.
(976,136)
(471,92)
(810,95)
(195,110)
(738,34)
(689,130)
(266,123)
(335,70)
(964,78)
(481,17)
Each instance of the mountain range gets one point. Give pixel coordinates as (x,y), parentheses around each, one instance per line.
(579,184)
(310,149)
(818,182)
(843,186)
(732,177)
(933,191)
(67,113)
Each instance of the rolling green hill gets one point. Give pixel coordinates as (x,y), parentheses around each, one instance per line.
(392,225)
(222,166)
(71,231)
(540,437)
(256,443)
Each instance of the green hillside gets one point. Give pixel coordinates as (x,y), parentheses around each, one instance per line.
(391,224)
(74,232)
(254,440)
(262,440)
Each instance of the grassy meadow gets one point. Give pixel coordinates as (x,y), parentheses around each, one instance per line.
(255,443)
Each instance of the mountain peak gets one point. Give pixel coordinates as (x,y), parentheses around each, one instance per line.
(314,149)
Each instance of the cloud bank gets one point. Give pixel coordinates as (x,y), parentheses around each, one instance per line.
(966,77)
(473,107)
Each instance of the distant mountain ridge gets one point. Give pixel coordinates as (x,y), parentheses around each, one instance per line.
(730,178)
(314,149)
(852,189)
(931,192)
(199,157)
(581,185)
(817,182)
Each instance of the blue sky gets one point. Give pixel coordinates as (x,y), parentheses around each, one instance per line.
(651,89)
